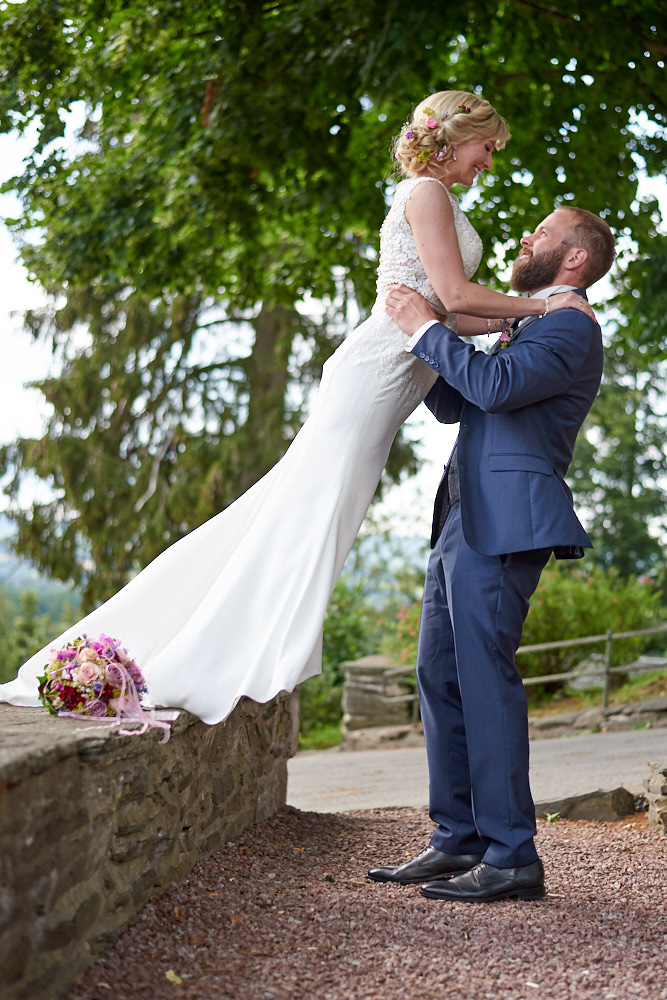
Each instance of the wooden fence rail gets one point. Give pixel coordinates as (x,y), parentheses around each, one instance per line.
(604,671)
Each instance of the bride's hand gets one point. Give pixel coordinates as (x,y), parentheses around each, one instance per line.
(570,300)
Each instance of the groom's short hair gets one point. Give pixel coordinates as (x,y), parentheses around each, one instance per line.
(594,235)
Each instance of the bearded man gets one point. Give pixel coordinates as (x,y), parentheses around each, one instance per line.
(502,508)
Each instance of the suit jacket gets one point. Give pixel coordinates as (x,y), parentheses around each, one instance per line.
(519,410)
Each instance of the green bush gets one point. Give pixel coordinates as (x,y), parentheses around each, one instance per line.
(568,603)
(349,632)
(400,641)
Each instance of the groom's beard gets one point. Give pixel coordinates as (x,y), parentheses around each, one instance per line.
(537,271)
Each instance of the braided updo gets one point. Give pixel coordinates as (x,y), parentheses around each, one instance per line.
(439,123)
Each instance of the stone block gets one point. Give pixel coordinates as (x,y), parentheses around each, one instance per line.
(382,737)
(590,718)
(619,724)
(554,721)
(369,682)
(658,704)
(656,795)
(601,805)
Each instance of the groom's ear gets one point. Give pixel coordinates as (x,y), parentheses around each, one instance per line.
(575,259)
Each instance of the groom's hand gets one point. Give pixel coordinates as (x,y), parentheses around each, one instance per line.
(407,308)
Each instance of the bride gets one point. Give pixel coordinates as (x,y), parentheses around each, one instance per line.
(236,607)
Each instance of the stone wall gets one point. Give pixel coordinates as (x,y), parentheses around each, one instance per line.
(92,824)
(614,719)
(656,795)
(375,693)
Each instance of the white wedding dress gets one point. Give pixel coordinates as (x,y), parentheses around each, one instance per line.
(236,607)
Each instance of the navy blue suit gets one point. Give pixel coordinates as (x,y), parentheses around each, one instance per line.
(520,409)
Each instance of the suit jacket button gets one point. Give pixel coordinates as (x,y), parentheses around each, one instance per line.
(422,355)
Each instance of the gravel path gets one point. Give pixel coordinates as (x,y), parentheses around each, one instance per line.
(285,911)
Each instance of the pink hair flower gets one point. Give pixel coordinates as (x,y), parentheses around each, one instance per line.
(441,154)
(431,123)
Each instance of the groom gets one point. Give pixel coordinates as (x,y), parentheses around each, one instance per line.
(502,508)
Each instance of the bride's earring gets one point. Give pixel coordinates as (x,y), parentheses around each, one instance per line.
(453,154)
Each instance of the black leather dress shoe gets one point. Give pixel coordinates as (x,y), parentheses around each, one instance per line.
(430,864)
(484,883)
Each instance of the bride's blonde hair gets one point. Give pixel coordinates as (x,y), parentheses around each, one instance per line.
(440,122)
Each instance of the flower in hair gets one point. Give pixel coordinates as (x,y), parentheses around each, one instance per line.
(431,123)
(409,134)
(441,154)
(428,111)
(423,155)
(463,110)
(445,116)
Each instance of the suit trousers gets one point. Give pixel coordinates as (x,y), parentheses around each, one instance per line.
(472,699)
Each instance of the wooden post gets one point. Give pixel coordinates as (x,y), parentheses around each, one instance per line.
(607,668)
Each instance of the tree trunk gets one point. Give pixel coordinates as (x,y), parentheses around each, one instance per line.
(265,436)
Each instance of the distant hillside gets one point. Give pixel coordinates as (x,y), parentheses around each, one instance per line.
(16,576)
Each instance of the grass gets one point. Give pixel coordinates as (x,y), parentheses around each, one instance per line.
(638,689)
(322,737)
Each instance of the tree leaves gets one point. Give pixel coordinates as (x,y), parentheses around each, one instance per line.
(233,159)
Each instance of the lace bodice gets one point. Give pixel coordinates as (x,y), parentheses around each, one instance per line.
(379,344)
(399,261)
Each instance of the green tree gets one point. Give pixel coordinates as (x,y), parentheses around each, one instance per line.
(619,468)
(231,163)
(23,634)
(620,463)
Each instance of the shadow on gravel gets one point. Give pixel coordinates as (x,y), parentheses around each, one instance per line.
(285,911)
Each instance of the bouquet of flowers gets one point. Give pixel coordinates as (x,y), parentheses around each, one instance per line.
(96,679)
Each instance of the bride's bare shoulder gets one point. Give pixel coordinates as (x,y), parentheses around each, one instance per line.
(427,197)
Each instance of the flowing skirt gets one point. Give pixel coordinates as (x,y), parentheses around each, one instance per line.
(237,606)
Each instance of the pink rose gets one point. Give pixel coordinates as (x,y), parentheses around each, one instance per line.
(87,654)
(431,123)
(87,673)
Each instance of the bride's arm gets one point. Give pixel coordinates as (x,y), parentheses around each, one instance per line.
(473,326)
(431,217)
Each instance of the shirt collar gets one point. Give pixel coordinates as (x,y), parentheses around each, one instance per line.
(553,290)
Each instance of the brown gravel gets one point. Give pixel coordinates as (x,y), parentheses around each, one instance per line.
(285,911)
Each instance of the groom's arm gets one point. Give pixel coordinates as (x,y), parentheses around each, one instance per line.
(538,366)
(548,359)
(443,401)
